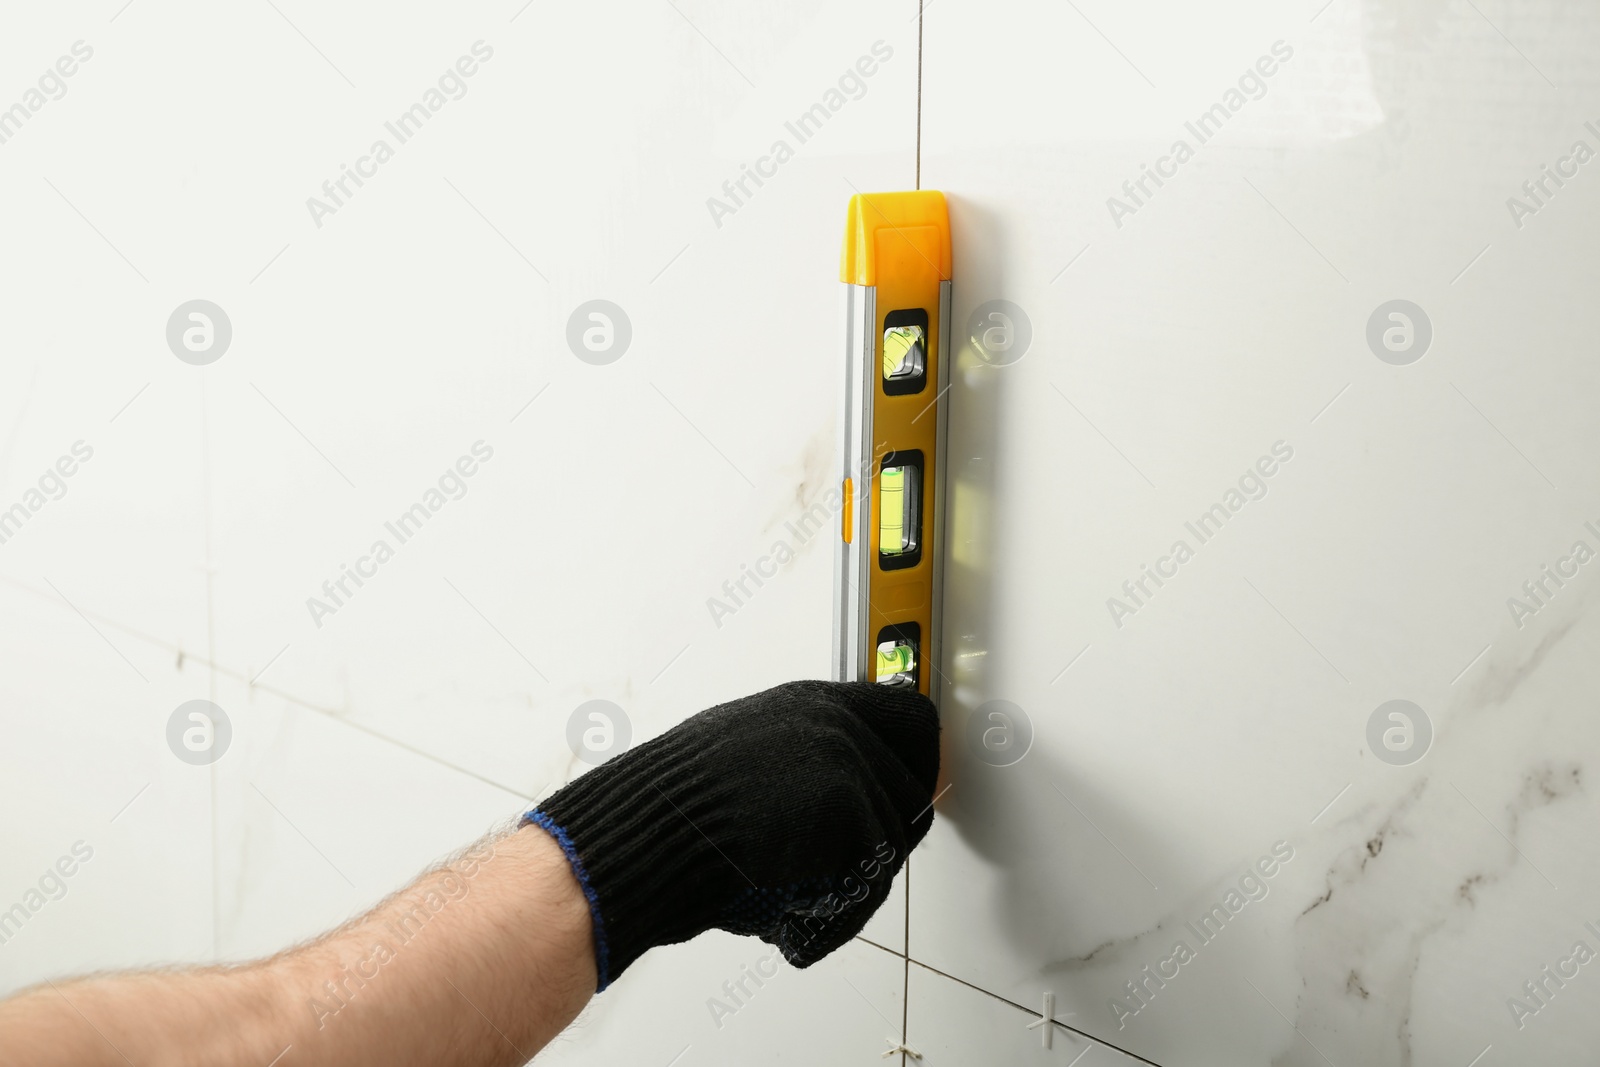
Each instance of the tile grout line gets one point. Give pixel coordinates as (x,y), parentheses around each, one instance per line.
(1070,1029)
(315,709)
(215,668)
(919,142)
(1004,1000)
(905,978)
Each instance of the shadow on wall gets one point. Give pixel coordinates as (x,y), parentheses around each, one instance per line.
(969,608)
(1005,814)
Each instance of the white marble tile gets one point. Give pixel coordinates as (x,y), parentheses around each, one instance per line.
(950,1023)
(319,821)
(367,354)
(581,560)
(699,1002)
(108,836)
(887,927)
(1176,741)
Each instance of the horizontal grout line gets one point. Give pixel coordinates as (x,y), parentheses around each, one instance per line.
(330,714)
(1006,1000)
(327,713)
(885,948)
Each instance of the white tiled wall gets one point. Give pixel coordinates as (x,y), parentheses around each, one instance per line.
(1173,345)
(425,315)
(1226,313)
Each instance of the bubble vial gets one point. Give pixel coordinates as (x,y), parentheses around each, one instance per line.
(904,352)
(897,664)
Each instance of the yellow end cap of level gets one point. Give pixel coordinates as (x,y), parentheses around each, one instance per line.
(894,225)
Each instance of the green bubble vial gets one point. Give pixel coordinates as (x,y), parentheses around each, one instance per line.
(896,663)
(903,352)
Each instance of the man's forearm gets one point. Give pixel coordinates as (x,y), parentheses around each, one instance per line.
(784,814)
(479,962)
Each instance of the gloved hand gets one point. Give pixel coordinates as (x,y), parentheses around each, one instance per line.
(785,815)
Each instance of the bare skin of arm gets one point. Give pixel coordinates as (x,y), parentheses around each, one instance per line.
(479,962)
(817,789)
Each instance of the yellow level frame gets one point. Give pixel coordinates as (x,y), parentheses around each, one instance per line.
(896,257)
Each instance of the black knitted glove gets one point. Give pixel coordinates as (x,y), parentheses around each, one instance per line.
(785,815)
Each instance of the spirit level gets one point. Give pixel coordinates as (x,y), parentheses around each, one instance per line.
(888,569)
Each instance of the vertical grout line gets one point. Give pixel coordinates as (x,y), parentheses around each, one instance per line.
(919,94)
(905,978)
(905,986)
(211,661)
